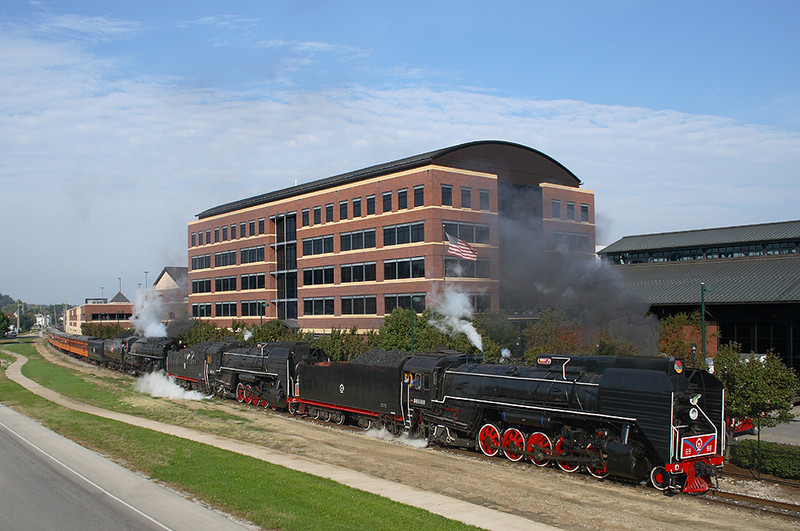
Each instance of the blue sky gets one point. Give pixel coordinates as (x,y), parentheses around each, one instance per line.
(119,121)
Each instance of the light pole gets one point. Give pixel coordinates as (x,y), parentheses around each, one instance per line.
(413,315)
(145,279)
(703,290)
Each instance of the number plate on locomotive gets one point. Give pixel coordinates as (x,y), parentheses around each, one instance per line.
(698,445)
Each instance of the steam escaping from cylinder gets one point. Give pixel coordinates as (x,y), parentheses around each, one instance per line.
(453,314)
(247,335)
(149,313)
(160,385)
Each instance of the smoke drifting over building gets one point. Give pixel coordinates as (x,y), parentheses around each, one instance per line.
(588,290)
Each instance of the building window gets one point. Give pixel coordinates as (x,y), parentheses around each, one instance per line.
(254,281)
(208,236)
(233,231)
(466,197)
(481,302)
(329,212)
(342,210)
(318,275)
(319,245)
(225,258)
(357,208)
(253,308)
(360,305)
(261,226)
(201,310)
(571,241)
(584,212)
(402,199)
(200,235)
(201,285)
(456,267)
(225,284)
(370,205)
(484,198)
(202,261)
(419,196)
(571,210)
(242,229)
(404,268)
(447,195)
(556,214)
(404,300)
(216,235)
(252,224)
(387,201)
(317,215)
(469,232)
(225,309)
(364,239)
(318,306)
(252,254)
(305,217)
(194,239)
(407,233)
(358,272)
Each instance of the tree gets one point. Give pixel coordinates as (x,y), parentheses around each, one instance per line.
(5,322)
(344,345)
(755,388)
(553,333)
(680,336)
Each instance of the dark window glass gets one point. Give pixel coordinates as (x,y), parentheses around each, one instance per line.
(329,212)
(345,242)
(419,196)
(369,239)
(570,210)
(328,244)
(356,208)
(556,209)
(305,218)
(418,232)
(447,195)
(389,236)
(343,210)
(584,212)
(387,202)
(261,226)
(252,228)
(317,215)
(233,232)
(484,197)
(466,197)
(402,199)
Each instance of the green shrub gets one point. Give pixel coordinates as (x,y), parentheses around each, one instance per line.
(779,460)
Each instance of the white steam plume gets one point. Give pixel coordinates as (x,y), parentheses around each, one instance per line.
(160,385)
(384,435)
(454,314)
(149,313)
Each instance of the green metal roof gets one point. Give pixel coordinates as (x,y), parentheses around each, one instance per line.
(743,234)
(749,280)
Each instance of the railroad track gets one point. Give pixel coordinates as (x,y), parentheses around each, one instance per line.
(784,509)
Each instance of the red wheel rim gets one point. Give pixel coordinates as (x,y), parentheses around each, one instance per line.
(489,439)
(240,392)
(539,443)
(596,471)
(513,438)
(560,449)
(248,394)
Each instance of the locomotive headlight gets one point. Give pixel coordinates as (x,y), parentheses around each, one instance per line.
(693,413)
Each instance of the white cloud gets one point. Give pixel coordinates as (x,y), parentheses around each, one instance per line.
(101,173)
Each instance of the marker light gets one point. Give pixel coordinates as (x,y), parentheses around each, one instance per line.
(693,413)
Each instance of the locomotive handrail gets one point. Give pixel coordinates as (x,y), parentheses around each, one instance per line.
(539,408)
(528,378)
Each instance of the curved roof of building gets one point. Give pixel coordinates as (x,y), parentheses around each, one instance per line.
(494,156)
(738,235)
(747,280)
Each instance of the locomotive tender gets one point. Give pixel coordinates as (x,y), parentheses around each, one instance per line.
(630,417)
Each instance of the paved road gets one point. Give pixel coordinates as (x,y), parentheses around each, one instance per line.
(49,482)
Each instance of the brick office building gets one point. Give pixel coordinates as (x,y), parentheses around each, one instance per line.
(346,250)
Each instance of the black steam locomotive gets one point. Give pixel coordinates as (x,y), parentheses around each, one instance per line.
(630,417)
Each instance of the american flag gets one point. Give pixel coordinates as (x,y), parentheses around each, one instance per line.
(461,248)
